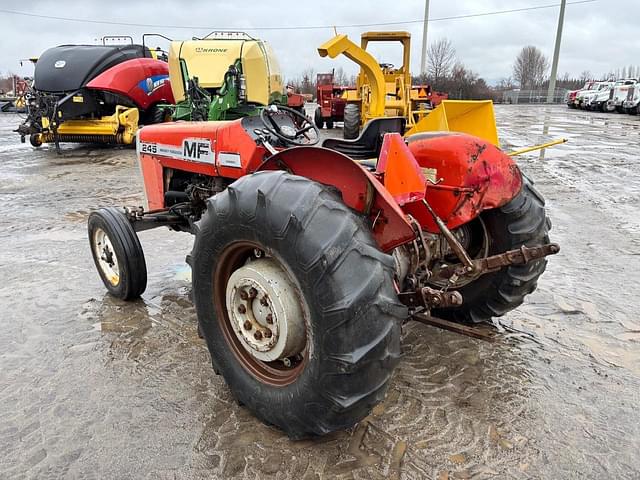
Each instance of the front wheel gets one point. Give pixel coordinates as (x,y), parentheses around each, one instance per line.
(317,118)
(156,114)
(522,221)
(296,303)
(35,140)
(117,253)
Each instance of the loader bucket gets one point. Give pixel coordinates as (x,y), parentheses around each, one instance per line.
(465,116)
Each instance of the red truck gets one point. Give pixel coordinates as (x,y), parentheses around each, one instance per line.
(330,102)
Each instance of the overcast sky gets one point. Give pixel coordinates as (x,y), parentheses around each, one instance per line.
(599,36)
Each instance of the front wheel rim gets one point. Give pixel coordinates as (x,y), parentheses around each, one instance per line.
(106,257)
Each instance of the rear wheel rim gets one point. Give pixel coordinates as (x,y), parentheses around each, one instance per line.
(106,256)
(252,353)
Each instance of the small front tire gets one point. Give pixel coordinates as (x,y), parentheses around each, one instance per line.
(34,140)
(117,253)
(317,118)
(156,114)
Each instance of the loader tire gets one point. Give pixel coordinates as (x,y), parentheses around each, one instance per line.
(522,221)
(339,278)
(351,121)
(117,253)
(317,118)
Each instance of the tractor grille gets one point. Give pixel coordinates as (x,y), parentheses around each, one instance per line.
(611,93)
(630,93)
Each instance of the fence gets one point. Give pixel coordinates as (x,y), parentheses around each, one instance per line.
(533,96)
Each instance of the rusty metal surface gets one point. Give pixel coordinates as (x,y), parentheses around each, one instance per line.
(480,266)
(94,388)
(431,298)
(481,331)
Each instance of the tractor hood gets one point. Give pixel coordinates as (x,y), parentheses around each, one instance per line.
(70,67)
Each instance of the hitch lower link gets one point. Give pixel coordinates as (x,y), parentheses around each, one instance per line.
(480,266)
(430,298)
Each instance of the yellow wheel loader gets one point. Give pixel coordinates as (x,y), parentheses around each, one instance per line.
(384,90)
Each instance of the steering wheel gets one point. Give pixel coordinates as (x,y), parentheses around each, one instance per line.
(291,135)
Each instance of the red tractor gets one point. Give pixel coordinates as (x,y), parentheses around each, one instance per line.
(307,260)
(330,102)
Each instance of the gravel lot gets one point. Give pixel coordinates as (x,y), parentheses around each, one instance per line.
(92,387)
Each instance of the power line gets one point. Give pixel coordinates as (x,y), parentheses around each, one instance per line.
(301,27)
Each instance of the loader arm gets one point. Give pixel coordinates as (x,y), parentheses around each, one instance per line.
(341,44)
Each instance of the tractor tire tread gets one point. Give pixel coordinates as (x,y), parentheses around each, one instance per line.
(128,251)
(351,121)
(522,221)
(357,332)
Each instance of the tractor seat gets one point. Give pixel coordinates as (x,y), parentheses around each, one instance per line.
(368,144)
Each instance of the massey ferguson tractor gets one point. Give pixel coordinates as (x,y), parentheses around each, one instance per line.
(95,94)
(308,259)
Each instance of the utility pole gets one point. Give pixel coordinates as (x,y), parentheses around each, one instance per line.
(423,59)
(556,54)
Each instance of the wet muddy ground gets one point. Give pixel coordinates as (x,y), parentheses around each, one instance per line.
(92,387)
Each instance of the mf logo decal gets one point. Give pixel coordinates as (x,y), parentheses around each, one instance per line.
(60,64)
(197,150)
(193,150)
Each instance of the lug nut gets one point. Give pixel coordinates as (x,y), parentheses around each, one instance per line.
(253,292)
(263,301)
(242,309)
(268,334)
(243,295)
(258,335)
(269,318)
(248,325)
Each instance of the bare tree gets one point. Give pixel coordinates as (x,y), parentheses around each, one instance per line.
(441,58)
(585,76)
(505,84)
(340,77)
(530,67)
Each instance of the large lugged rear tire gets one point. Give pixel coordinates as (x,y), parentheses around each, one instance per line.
(351,121)
(522,221)
(117,253)
(344,284)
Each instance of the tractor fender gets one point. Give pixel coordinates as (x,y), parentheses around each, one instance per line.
(466,174)
(360,190)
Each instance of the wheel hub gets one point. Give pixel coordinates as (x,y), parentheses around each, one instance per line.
(265,311)
(107,259)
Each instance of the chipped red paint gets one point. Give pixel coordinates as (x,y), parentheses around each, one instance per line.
(473,176)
